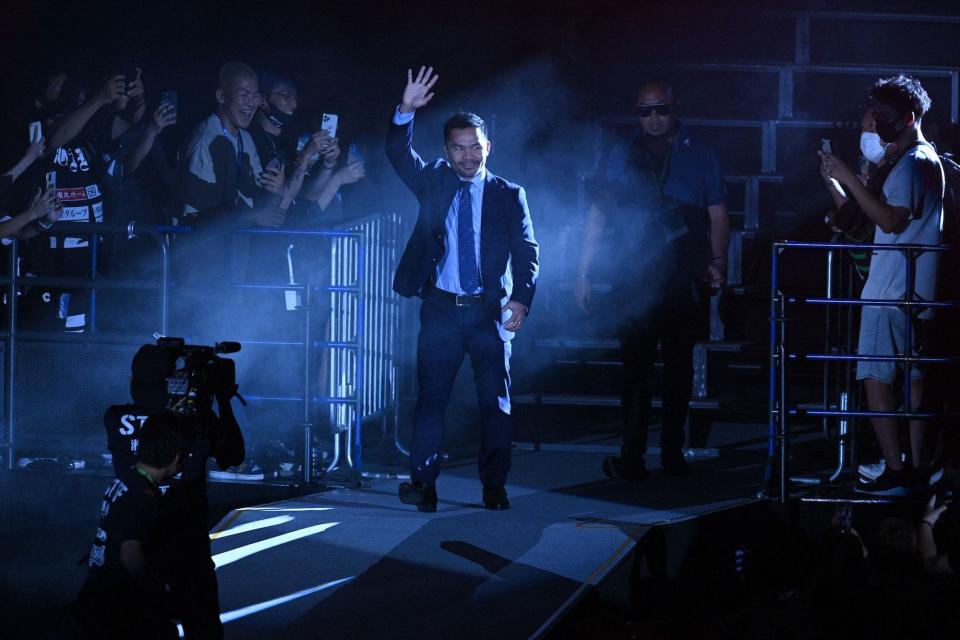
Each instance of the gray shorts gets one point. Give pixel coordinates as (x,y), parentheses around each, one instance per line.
(881,334)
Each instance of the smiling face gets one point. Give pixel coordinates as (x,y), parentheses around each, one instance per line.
(239,101)
(467,150)
(283,99)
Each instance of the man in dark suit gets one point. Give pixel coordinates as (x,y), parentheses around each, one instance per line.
(473,259)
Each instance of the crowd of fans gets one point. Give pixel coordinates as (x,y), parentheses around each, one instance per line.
(98,154)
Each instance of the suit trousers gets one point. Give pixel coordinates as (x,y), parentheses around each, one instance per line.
(676,322)
(447,333)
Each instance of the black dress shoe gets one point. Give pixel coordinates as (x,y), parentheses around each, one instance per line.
(616,468)
(674,464)
(495,498)
(422,495)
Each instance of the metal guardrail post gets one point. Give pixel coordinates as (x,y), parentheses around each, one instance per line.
(779,355)
(774,412)
(11,360)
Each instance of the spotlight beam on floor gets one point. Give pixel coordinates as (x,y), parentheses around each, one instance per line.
(251,526)
(227,557)
(229,616)
(284,509)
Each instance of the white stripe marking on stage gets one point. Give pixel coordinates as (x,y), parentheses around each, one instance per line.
(243,612)
(251,526)
(239,553)
(290,509)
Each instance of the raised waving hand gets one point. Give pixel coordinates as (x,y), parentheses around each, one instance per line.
(418,91)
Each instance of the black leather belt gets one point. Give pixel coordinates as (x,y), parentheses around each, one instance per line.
(457,300)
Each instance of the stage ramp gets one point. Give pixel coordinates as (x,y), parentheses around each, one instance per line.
(359,564)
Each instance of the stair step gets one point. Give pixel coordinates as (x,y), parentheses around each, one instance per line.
(727,346)
(583,400)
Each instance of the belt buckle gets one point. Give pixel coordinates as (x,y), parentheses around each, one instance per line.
(461,301)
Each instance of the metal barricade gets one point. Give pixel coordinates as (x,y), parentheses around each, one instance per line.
(780,409)
(362,329)
(368,373)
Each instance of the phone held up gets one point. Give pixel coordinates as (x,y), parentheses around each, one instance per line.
(329,123)
(36,131)
(170,98)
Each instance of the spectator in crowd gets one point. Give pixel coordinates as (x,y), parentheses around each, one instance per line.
(122,596)
(910,211)
(277,135)
(848,219)
(44,210)
(48,94)
(34,152)
(273,129)
(94,118)
(220,178)
(936,562)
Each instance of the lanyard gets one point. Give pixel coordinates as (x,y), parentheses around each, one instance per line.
(661,180)
(146,475)
(236,197)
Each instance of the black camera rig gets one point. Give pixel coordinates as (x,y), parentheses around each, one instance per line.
(199,375)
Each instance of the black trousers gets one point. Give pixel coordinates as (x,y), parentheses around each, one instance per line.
(677,321)
(193,585)
(447,333)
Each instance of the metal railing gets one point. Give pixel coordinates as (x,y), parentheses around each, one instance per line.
(780,409)
(362,328)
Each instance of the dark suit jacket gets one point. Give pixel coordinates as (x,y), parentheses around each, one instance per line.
(508,250)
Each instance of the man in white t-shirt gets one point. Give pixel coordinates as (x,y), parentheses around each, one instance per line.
(910,211)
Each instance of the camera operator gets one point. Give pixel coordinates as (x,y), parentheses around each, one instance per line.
(121,597)
(183,508)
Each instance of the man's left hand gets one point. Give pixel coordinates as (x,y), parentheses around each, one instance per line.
(135,87)
(715,276)
(836,168)
(273,180)
(331,154)
(518,313)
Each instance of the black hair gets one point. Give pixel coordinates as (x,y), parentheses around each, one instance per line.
(463,120)
(903,93)
(159,442)
(269,81)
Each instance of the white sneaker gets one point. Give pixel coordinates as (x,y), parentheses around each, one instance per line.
(246,472)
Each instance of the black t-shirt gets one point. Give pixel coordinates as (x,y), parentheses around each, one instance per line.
(184,503)
(123,423)
(129,511)
(79,169)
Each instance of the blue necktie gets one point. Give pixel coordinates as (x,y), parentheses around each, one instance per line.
(466,252)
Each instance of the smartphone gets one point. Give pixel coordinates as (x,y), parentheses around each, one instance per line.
(273,165)
(51,180)
(825,146)
(354,154)
(36,131)
(170,98)
(329,123)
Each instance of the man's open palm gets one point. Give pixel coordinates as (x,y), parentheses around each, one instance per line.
(417,93)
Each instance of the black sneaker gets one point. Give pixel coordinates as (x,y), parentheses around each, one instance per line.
(424,496)
(616,468)
(889,483)
(495,498)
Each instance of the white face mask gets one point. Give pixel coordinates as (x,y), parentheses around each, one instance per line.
(871,147)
